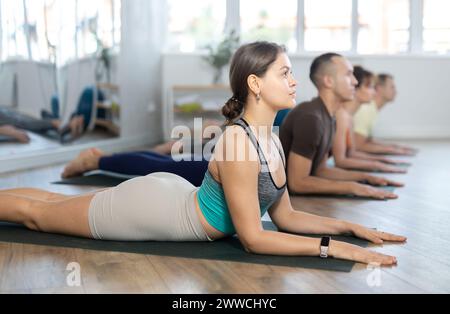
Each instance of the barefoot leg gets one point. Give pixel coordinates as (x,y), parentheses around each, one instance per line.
(69,217)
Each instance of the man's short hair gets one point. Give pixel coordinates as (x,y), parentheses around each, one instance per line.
(382,78)
(319,64)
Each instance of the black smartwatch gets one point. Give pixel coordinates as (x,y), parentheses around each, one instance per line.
(324,246)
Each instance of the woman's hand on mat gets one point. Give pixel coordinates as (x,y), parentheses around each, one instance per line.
(375,236)
(350,252)
(373,180)
(369,191)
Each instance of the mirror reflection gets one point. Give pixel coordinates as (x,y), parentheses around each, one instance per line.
(58,81)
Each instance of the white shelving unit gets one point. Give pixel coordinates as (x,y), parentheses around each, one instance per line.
(187,102)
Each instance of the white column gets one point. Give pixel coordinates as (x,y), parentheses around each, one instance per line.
(300,34)
(27,30)
(139,69)
(233,19)
(355,26)
(416,29)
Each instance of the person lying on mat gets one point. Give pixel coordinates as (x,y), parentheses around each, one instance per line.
(308,131)
(344,152)
(246,178)
(23,122)
(365,118)
(143,163)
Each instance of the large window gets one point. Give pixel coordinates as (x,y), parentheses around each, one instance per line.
(328,25)
(383,26)
(436,24)
(58,29)
(268,20)
(193,25)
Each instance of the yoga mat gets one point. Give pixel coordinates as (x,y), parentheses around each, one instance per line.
(98,178)
(7,139)
(349,196)
(228,249)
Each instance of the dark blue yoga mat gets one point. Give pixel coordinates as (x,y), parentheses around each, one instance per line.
(229,249)
(96,178)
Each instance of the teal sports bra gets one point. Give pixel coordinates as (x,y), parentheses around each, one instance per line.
(211,197)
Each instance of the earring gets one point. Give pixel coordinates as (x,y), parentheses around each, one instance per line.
(258,97)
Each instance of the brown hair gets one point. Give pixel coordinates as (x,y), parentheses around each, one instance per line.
(250,59)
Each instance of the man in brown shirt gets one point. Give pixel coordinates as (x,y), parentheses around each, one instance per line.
(308,131)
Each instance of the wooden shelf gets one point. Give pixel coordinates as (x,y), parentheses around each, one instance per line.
(109,86)
(196,111)
(101,105)
(109,125)
(194,88)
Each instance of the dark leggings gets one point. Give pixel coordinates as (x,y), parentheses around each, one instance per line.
(144,163)
(22,121)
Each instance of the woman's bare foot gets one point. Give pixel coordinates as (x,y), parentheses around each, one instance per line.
(17,134)
(88,160)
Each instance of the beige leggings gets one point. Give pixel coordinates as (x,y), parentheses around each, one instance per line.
(157,207)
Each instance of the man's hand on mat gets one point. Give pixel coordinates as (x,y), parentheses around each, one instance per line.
(346,251)
(407,149)
(372,192)
(402,151)
(375,236)
(378,181)
(394,162)
(388,168)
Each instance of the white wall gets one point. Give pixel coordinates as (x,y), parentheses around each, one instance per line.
(422,109)
(35,83)
(7,78)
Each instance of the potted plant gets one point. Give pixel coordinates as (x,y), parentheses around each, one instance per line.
(220,55)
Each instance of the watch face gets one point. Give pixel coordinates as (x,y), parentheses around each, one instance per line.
(325,241)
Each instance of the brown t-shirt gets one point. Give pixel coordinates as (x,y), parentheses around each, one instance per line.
(308,131)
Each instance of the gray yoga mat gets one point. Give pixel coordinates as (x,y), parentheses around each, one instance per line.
(349,196)
(96,178)
(225,250)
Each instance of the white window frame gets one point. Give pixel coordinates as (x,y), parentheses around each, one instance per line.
(233,18)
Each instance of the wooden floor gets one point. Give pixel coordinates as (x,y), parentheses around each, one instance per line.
(422,214)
